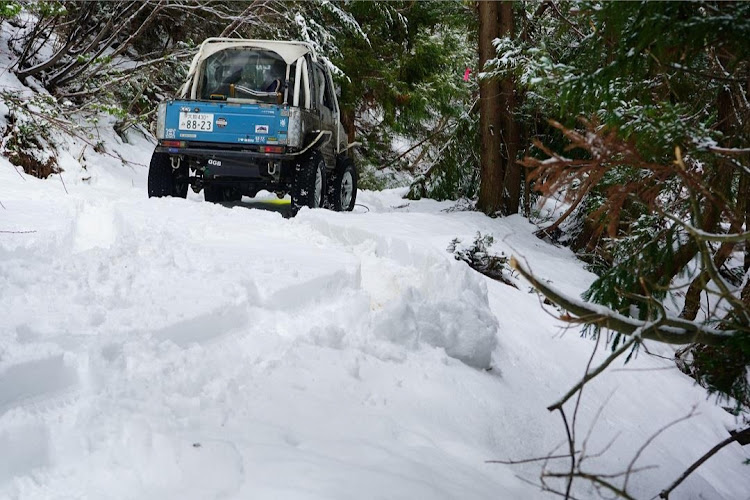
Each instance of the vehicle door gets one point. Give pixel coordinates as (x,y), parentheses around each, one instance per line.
(325,103)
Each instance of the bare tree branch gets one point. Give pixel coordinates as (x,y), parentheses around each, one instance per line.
(589,375)
(706,236)
(729,151)
(240,19)
(597,480)
(645,445)
(675,331)
(527,460)
(664,494)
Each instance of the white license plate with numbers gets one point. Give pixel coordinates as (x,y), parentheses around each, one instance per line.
(201,122)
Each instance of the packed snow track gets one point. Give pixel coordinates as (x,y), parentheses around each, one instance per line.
(177,349)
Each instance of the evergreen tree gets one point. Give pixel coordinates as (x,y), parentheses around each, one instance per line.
(402,83)
(500,187)
(651,105)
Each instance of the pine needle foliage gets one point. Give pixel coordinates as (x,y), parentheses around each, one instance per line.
(479,257)
(642,120)
(403,80)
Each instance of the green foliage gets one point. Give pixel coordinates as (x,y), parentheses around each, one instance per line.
(404,77)
(455,173)
(652,74)
(111,110)
(368,178)
(637,69)
(646,249)
(27,139)
(9,9)
(723,369)
(479,258)
(44,8)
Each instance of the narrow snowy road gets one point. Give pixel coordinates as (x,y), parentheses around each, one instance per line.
(163,348)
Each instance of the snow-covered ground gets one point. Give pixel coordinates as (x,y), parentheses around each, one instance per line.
(173,349)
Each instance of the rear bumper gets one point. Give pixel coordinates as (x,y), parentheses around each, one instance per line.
(236,154)
(244,164)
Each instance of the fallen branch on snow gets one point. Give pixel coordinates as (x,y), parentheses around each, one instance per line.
(670,330)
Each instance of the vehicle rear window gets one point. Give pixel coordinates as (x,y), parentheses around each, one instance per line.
(243,73)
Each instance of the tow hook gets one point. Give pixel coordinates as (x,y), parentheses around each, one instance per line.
(176,165)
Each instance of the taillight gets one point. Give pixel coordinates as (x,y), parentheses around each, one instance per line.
(173,144)
(272,149)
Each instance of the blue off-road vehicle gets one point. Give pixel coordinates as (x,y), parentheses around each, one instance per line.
(252,115)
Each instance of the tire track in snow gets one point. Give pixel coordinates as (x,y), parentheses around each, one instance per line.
(160,345)
(203,327)
(34,381)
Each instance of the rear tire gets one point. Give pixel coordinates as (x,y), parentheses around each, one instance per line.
(309,183)
(342,190)
(163,180)
(234,195)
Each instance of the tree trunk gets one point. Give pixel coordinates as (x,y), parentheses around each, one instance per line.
(745,295)
(512,181)
(719,185)
(492,169)
(695,290)
(347,121)
(744,194)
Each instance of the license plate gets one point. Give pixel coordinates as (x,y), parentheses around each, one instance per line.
(202,122)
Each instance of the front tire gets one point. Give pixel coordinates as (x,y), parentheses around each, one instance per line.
(309,183)
(163,180)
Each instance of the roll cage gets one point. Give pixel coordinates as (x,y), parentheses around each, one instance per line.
(303,82)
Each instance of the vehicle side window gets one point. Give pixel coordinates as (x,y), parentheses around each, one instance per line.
(328,99)
(320,85)
(322,88)
(302,88)
(292,78)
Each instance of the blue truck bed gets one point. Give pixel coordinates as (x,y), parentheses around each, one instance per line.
(226,122)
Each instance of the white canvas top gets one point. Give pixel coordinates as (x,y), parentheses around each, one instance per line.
(289,51)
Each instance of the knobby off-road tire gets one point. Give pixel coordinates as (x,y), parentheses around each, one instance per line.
(309,183)
(342,189)
(163,180)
